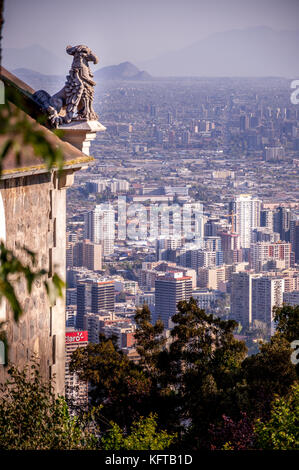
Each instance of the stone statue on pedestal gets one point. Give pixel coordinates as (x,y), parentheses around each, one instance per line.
(74,101)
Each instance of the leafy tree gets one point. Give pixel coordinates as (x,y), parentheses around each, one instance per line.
(232,435)
(143,435)
(287,321)
(33,418)
(151,347)
(119,387)
(281,430)
(195,374)
(149,339)
(205,362)
(199,382)
(268,373)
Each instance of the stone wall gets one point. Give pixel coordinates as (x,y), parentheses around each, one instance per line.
(35,217)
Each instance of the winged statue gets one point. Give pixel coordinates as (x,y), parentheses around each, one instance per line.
(74,102)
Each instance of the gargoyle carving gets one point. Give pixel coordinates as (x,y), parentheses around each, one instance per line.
(74,101)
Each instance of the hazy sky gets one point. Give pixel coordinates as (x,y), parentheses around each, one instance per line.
(136,30)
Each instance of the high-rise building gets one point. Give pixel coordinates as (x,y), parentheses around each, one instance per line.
(83,301)
(274,153)
(263,253)
(71,296)
(264,234)
(92,255)
(244,122)
(70,316)
(102,296)
(100,227)
(212,278)
(85,254)
(76,389)
(169,290)
(209,259)
(281,222)
(246,211)
(171,138)
(291,298)
(294,238)
(241,298)
(267,292)
(230,243)
(211,227)
(93,296)
(96,186)
(267,218)
(100,185)
(212,243)
(164,247)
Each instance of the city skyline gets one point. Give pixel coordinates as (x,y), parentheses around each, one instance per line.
(149,227)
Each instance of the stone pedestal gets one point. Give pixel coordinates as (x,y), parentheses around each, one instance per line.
(81,133)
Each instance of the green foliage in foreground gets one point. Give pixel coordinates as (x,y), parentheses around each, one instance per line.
(287,321)
(143,436)
(33,418)
(200,386)
(281,431)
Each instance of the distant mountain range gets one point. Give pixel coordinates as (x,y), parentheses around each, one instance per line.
(252,52)
(123,71)
(37,80)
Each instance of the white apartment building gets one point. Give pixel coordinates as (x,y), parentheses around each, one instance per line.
(247,217)
(274,153)
(100,227)
(266,293)
(115,185)
(253,297)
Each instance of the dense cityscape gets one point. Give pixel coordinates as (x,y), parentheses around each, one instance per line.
(149,230)
(222,148)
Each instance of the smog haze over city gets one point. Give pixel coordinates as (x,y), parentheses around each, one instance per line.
(152,33)
(174,222)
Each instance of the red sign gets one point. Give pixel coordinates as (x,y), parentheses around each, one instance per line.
(76,337)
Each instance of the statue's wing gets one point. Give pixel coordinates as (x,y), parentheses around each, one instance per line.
(43,98)
(73,91)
